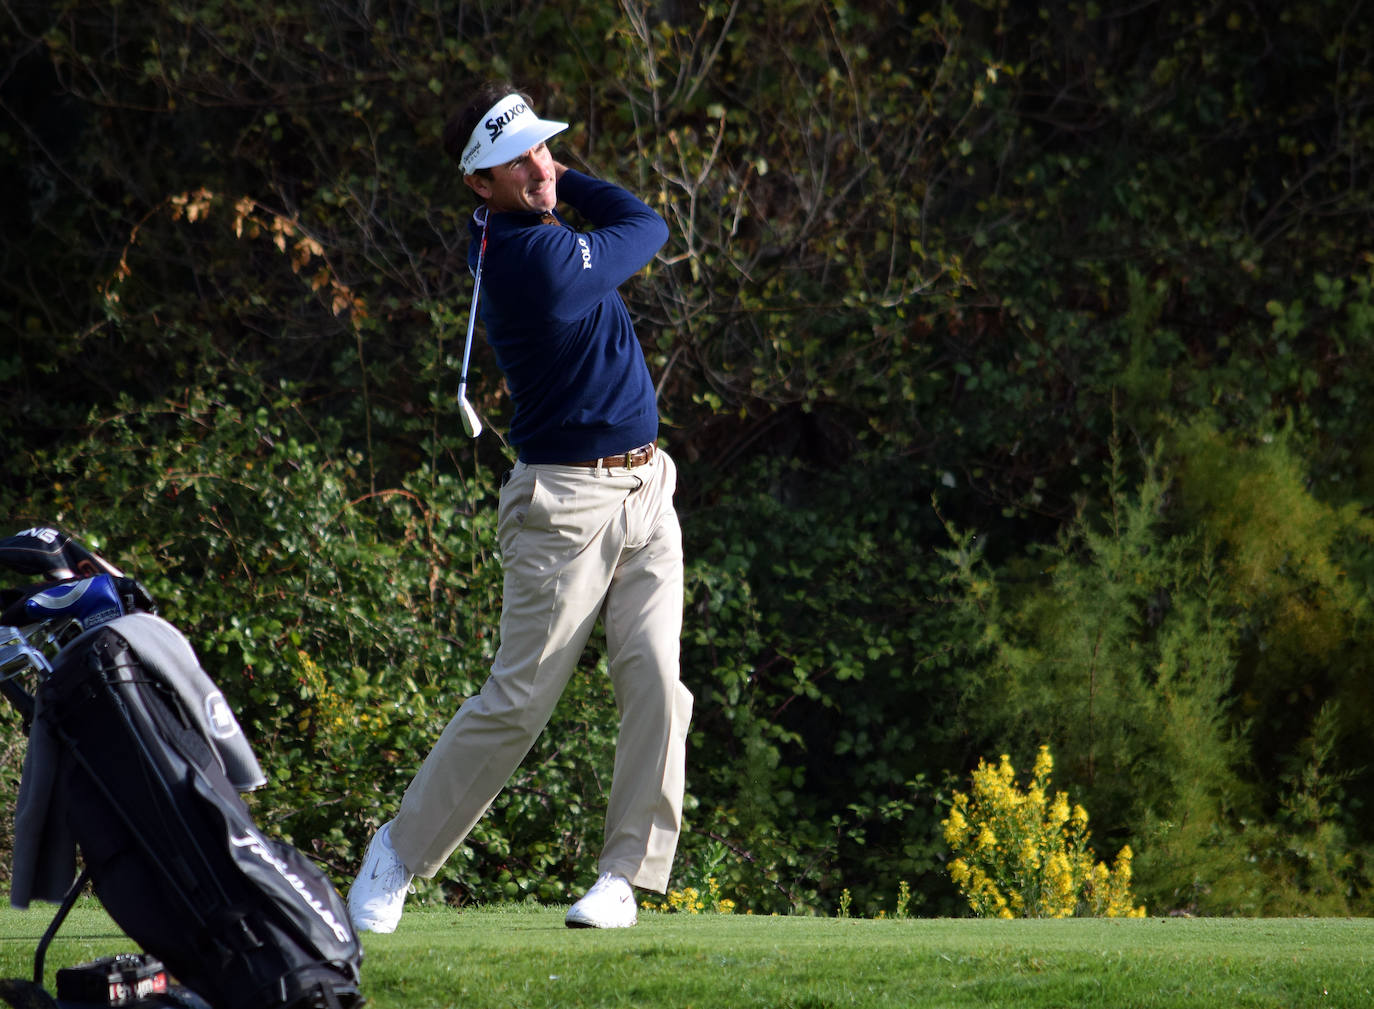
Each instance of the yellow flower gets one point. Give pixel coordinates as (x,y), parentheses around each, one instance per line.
(1080,818)
(955,827)
(1016,852)
(1059,810)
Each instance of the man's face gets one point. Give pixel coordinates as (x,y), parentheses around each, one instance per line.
(528,183)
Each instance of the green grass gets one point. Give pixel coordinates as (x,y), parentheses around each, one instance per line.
(524,957)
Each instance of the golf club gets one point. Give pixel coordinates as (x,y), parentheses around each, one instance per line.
(471,423)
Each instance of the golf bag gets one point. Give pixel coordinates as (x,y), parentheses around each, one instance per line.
(135,758)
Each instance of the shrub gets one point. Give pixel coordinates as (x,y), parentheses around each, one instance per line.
(1025,855)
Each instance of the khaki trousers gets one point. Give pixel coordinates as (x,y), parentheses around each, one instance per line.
(576,543)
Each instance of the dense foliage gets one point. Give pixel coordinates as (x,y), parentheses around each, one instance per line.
(1015,358)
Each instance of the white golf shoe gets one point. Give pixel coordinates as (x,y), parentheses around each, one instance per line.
(379,893)
(610,903)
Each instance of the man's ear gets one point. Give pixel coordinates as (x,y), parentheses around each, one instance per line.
(478,184)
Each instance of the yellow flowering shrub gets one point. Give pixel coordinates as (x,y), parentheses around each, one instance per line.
(324,708)
(1022,854)
(690,900)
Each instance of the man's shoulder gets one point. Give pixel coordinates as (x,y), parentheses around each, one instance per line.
(527,243)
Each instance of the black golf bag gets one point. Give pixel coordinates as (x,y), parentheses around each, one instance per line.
(135,759)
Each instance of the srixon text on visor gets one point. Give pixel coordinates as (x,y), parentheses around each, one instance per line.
(496,124)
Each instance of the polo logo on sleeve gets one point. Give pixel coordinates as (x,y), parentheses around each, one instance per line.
(586,252)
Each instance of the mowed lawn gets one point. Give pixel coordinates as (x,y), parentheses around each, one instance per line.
(524,957)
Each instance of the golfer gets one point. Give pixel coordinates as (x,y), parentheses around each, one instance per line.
(587,527)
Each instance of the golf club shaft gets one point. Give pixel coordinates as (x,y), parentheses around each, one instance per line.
(472,312)
(472,424)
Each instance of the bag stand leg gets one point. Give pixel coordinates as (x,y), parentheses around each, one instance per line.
(68,901)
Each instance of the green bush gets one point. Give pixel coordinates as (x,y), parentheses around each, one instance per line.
(823,666)
(1121,645)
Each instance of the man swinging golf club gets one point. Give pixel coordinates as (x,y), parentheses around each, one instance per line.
(586,527)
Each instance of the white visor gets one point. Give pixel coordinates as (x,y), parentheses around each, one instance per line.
(508,130)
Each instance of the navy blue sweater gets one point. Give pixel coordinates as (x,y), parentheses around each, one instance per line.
(561,332)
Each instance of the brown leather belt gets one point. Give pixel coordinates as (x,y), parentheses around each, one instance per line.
(629,460)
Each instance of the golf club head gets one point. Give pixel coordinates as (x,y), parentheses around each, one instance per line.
(472,424)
